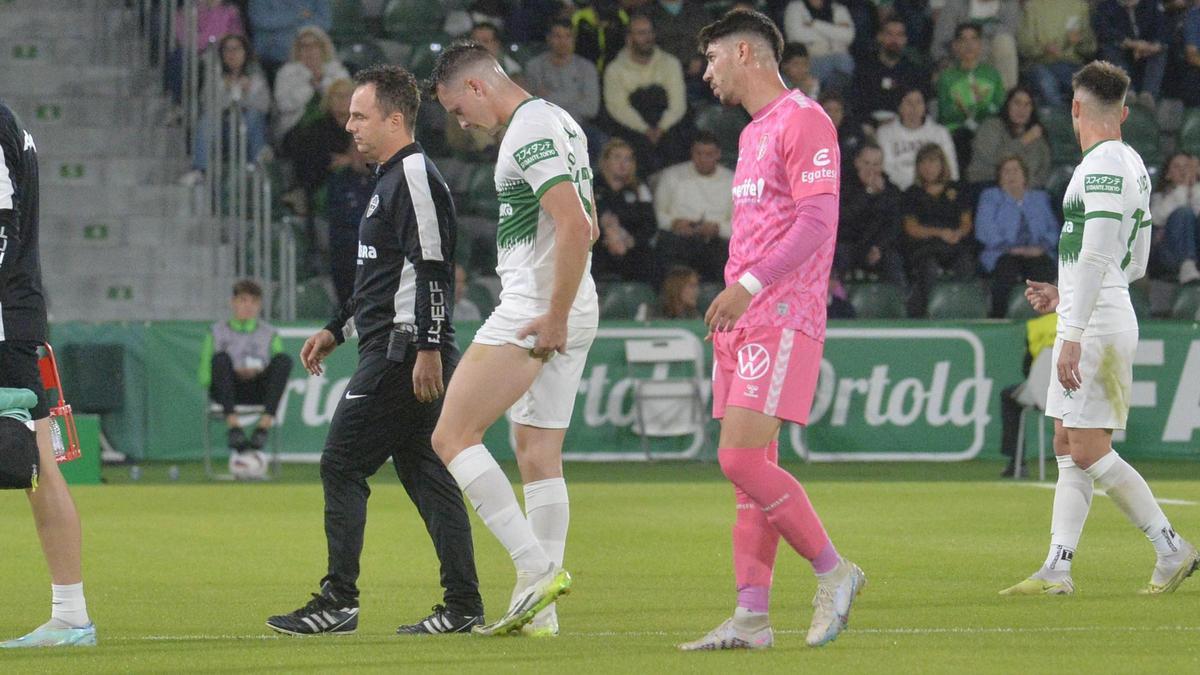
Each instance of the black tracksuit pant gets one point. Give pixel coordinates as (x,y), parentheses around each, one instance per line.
(379,417)
(266,389)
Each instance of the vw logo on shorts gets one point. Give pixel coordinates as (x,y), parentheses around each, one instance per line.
(753,361)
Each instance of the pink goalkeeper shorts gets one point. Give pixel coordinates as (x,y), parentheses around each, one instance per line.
(769,370)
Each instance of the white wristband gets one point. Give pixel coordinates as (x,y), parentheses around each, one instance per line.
(750,283)
(1072,334)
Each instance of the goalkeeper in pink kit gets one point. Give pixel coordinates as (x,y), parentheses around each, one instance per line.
(768,325)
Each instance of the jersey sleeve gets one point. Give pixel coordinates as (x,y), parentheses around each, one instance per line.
(810,154)
(11,147)
(541,156)
(1104,190)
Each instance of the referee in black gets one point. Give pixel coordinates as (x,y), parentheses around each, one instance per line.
(400,309)
(22,331)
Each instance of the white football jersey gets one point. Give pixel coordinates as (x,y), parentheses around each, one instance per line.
(1110,183)
(542,147)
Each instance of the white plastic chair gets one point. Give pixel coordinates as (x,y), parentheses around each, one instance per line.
(667,405)
(1032,397)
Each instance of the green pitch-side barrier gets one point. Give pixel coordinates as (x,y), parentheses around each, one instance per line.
(888,391)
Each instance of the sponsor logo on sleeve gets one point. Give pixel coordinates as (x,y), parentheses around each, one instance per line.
(1103,182)
(532,153)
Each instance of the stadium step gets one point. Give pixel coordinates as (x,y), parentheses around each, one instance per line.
(55,79)
(46,113)
(107,229)
(135,200)
(78,171)
(54,20)
(24,50)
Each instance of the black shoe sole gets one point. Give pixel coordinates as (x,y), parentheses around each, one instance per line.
(293,633)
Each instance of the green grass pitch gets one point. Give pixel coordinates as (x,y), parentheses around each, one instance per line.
(180,577)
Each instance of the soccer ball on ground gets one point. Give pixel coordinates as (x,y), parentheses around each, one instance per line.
(249,465)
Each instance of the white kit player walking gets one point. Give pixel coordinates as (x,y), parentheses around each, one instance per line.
(528,357)
(1104,245)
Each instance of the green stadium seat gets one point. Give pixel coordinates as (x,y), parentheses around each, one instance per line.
(480,198)
(958,300)
(347,23)
(359,54)
(483,298)
(1140,297)
(621,300)
(1064,148)
(876,300)
(413,20)
(1018,306)
(313,300)
(1187,303)
(424,54)
(726,123)
(1189,133)
(1140,131)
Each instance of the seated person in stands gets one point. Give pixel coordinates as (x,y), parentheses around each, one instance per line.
(1175,205)
(1018,231)
(627,220)
(242,362)
(1015,132)
(869,220)
(320,146)
(851,135)
(796,69)
(348,190)
(679,296)
(909,132)
(241,85)
(465,309)
(303,81)
(694,206)
(937,228)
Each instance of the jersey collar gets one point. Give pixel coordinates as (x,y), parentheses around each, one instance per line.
(410,149)
(514,112)
(1096,145)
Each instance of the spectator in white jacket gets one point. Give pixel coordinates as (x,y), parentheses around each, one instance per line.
(302,81)
(826,29)
(903,137)
(645,98)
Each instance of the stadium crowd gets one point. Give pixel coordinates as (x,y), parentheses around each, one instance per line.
(953,118)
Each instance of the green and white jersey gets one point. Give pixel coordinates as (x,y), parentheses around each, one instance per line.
(542,147)
(1107,208)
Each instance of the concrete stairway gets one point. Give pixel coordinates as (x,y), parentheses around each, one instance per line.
(119,241)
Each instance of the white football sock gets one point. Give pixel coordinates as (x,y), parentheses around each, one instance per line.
(1072,501)
(68,605)
(549,514)
(1129,491)
(485,484)
(750,622)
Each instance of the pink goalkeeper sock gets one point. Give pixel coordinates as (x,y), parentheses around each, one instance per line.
(755,542)
(780,496)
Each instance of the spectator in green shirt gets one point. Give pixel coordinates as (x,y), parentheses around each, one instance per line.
(242,362)
(968,91)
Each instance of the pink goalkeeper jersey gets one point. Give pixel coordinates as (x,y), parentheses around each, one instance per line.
(788,152)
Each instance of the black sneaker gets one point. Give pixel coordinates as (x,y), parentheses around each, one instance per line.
(258,440)
(237,439)
(441,621)
(325,613)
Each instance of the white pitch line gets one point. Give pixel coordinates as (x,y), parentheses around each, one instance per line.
(957,630)
(1160,500)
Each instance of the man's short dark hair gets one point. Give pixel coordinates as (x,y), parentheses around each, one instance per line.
(793,50)
(396,90)
(966,26)
(867,145)
(828,95)
(247,287)
(743,21)
(454,59)
(705,138)
(560,23)
(889,21)
(1106,81)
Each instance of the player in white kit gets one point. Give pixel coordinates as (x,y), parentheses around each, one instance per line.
(528,357)
(1104,245)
